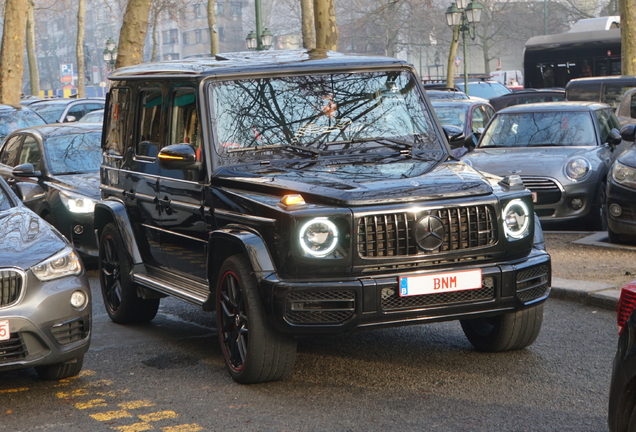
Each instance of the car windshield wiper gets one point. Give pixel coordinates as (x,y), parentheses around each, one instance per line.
(391,142)
(288,147)
(543,145)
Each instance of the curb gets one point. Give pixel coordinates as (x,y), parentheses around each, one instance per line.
(596,294)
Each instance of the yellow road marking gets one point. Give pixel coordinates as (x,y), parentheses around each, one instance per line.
(86,373)
(74,393)
(14,390)
(136,404)
(160,415)
(111,415)
(99,383)
(136,427)
(91,404)
(113,393)
(183,428)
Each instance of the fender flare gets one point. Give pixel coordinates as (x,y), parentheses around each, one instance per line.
(251,244)
(111,210)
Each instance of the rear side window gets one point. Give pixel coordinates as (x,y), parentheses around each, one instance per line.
(10,151)
(150,105)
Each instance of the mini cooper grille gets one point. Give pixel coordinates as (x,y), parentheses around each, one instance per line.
(319,307)
(13,348)
(10,287)
(548,192)
(533,283)
(391,300)
(390,235)
(70,331)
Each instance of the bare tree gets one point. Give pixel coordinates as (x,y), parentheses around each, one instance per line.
(12,54)
(326,26)
(308,25)
(214,34)
(628,36)
(34,75)
(79,49)
(133,33)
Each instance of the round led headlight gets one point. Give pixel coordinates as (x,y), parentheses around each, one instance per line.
(318,237)
(577,168)
(516,217)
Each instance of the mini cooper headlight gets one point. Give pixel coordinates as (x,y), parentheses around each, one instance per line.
(516,218)
(318,237)
(77,203)
(63,263)
(577,168)
(622,174)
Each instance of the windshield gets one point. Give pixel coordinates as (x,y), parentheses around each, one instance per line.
(18,120)
(486,90)
(540,129)
(50,112)
(74,153)
(451,115)
(321,114)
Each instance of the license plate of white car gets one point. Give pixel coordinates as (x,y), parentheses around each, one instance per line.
(440,283)
(5,334)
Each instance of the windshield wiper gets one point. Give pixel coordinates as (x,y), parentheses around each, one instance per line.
(403,146)
(288,147)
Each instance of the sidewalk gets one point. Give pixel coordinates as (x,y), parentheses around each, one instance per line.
(590,293)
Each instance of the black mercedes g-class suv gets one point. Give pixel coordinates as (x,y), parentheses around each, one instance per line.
(298,193)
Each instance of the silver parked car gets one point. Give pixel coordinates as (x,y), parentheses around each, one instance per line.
(45,303)
(561,150)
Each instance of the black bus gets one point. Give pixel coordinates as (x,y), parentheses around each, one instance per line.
(584,51)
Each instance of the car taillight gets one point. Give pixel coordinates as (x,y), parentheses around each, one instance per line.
(626,305)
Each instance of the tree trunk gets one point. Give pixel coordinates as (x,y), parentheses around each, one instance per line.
(133,33)
(627,9)
(452,52)
(325,23)
(153,27)
(214,35)
(12,51)
(308,24)
(34,74)
(79,48)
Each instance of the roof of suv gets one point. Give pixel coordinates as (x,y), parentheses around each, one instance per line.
(263,60)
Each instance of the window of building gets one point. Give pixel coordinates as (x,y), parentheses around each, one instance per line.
(185,39)
(198,36)
(170,37)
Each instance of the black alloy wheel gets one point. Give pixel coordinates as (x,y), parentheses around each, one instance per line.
(119,292)
(252,349)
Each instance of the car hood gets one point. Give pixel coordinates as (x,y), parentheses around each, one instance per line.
(523,160)
(26,239)
(347,183)
(85,184)
(629,157)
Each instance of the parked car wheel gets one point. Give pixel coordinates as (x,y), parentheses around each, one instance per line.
(505,332)
(118,290)
(58,371)
(597,221)
(253,351)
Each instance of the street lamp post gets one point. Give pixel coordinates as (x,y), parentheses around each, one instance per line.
(262,39)
(110,54)
(464,16)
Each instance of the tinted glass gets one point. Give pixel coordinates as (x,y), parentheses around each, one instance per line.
(540,129)
(17,120)
(30,152)
(10,151)
(50,112)
(150,105)
(321,113)
(74,153)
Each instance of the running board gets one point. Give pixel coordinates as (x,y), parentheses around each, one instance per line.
(186,290)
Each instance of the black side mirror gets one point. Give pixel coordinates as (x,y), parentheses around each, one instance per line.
(25,170)
(614,138)
(628,132)
(178,156)
(453,133)
(29,192)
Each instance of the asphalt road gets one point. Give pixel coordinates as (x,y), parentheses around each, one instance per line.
(169,376)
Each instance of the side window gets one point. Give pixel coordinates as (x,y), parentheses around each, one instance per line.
(606,122)
(478,119)
(77,111)
(149,105)
(489,113)
(115,120)
(185,129)
(10,151)
(93,107)
(30,152)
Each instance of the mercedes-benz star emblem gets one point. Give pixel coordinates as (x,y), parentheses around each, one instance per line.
(429,233)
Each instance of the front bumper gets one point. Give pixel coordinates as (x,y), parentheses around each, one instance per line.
(333,306)
(78,228)
(622,393)
(626,199)
(554,198)
(44,327)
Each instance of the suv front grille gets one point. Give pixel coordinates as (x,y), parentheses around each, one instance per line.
(390,235)
(547,190)
(12,349)
(10,287)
